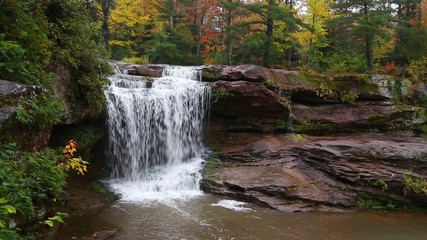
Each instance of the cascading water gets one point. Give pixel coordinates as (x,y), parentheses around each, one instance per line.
(155,133)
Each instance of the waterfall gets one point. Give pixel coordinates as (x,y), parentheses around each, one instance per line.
(155,133)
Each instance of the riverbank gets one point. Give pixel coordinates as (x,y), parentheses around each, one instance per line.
(83,196)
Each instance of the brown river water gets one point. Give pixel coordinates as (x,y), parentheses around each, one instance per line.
(209,217)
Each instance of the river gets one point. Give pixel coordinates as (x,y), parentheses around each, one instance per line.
(210,217)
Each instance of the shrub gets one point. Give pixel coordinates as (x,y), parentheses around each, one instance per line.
(136,60)
(414,185)
(30,179)
(40,112)
(418,69)
(348,97)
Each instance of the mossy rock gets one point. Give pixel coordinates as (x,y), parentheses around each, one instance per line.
(262,125)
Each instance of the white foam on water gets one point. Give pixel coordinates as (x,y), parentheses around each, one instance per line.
(233,205)
(162,184)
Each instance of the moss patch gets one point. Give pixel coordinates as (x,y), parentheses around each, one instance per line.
(211,163)
(373,203)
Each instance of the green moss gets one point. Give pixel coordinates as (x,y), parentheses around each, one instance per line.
(378,119)
(348,97)
(381,184)
(310,79)
(6,101)
(210,164)
(359,83)
(211,73)
(221,94)
(373,203)
(315,126)
(101,189)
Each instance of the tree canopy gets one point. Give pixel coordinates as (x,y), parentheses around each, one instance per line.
(288,33)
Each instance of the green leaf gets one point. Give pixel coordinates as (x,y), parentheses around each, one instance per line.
(49,223)
(9,209)
(59,219)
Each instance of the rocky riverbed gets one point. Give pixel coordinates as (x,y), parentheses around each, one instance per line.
(292,172)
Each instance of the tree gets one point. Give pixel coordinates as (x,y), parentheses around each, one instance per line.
(411,33)
(364,20)
(314,37)
(258,26)
(130,24)
(106,6)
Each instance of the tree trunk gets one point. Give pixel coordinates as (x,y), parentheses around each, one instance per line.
(269,35)
(227,35)
(105,28)
(368,42)
(289,50)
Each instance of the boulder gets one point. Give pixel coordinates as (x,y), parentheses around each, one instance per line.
(292,173)
(247,105)
(16,90)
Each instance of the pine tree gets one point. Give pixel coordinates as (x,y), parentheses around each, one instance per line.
(363,20)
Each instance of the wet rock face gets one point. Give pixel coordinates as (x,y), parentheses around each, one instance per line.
(241,99)
(252,98)
(329,174)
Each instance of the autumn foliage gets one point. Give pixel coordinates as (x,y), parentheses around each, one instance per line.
(71,162)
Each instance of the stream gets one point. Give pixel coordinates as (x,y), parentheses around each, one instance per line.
(156,155)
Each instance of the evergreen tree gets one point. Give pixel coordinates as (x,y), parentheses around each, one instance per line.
(258,27)
(358,23)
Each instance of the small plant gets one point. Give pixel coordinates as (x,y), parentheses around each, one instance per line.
(297,137)
(362,202)
(348,97)
(390,67)
(5,211)
(211,163)
(325,92)
(418,69)
(381,184)
(414,185)
(222,94)
(57,218)
(77,164)
(40,112)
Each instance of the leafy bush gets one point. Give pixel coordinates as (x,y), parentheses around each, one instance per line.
(346,62)
(36,35)
(418,69)
(136,60)
(414,185)
(30,179)
(348,97)
(222,94)
(41,112)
